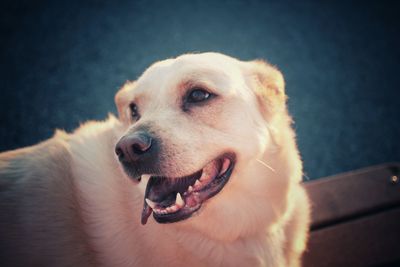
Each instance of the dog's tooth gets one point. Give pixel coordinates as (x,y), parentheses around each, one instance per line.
(203,177)
(151,203)
(197,184)
(190,188)
(158,211)
(145,177)
(174,208)
(179,201)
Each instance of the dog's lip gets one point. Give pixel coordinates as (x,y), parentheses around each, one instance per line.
(175,199)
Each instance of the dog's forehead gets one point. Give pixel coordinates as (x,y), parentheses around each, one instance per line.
(208,68)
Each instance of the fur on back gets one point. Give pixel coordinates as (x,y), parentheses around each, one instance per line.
(40,221)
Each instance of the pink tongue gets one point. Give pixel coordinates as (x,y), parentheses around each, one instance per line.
(145,213)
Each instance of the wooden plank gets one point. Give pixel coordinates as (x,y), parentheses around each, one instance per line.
(354,194)
(369,241)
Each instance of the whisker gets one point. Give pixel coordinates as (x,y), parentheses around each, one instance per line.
(266,165)
(307,177)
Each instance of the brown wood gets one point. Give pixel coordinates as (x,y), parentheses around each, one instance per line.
(369,241)
(355,218)
(353,194)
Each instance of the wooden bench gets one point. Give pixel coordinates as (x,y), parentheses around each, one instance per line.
(355,218)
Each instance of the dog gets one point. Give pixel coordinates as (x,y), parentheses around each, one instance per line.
(200,168)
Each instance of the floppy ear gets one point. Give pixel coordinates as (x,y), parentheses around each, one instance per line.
(122,100)
(269,86)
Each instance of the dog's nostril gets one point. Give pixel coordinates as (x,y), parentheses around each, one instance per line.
(141,148)
(119,152)
(137,149)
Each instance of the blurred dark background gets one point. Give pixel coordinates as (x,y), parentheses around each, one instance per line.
(62,62)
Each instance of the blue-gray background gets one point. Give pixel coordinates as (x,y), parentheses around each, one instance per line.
(62,62)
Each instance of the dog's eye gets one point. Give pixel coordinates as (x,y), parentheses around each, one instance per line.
(134,111)
(198,95)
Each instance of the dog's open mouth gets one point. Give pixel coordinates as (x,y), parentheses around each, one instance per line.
(176,199)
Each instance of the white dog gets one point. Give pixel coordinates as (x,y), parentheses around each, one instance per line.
(203,143)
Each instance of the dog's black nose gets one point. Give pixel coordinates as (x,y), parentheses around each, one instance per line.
(133,147)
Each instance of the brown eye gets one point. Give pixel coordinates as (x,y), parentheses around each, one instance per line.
(198,95)
(134,111)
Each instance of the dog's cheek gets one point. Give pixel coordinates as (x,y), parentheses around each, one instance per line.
(244,129)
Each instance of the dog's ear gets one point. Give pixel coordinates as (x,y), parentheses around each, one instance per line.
(269,86)
(122,100)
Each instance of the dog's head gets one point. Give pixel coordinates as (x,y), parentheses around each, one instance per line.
(195,125)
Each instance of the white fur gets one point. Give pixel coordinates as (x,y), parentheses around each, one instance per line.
(260,218)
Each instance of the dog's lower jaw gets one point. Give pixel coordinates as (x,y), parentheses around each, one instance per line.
(189,192)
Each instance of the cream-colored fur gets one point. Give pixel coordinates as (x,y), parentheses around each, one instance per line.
(260,218)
